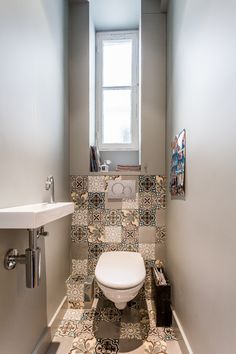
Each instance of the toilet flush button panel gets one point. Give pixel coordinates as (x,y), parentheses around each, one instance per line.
(125,189)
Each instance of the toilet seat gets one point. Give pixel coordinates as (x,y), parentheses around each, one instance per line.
(120,270)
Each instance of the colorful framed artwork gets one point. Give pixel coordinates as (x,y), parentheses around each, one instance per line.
(177,168)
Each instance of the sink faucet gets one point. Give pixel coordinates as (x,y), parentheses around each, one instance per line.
(49,185)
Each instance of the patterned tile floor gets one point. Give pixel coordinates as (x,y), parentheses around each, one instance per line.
(106,330)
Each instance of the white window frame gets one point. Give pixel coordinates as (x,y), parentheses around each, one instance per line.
(117,35)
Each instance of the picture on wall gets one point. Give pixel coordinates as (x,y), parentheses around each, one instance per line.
(177,170)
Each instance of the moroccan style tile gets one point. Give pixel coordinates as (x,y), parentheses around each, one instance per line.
(112,233)
(130,218)
(108,178)
(130,330)
(128,247)
(84,329)
(130,234)
(107,346)
(79,267)
(96,216)
(74,315)
(113,217)
(80,199)
(80,217)
(147,217)
(147,234)
(161,234)
(95,249)
(112,246)
(147,183)
(96,200)
(79,183)
(153,346)
(96,184)
(92,262)
(161,201)
(96,234)
(67,328)
(160,251)
(147,250)
(83,345)
(161,184)
(79,233)
(160,217)
(147,200)
(110,314)
(75,289)
(91,315)
(131,203)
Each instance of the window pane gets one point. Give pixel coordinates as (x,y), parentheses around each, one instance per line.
(117,62)
(116,117)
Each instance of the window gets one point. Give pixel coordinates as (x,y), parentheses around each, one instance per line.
(117,91)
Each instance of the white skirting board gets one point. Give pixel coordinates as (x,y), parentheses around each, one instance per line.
(184,344)
(47,335)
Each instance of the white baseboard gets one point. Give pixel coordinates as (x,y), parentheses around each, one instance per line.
(186,348)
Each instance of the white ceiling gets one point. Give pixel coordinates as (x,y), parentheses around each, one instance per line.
(115,14)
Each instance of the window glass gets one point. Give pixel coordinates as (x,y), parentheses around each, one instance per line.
(117,62)
(116,116)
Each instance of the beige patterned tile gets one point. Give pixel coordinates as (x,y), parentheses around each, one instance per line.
(130,331)
(147,251)
(147,200)
(96,234)
(74,315)
(83,345)
(112,233)
(79,267)
(131,203)
(96,184)
(161,234)
(80,218)
(130,218)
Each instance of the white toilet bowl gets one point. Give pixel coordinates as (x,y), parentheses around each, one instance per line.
(120,275)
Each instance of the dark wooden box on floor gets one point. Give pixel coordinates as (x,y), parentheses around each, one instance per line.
(162,296)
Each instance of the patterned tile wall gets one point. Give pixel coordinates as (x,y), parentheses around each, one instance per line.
(99,224)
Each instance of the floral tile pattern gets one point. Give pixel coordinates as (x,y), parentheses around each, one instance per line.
(96,200)
(147,217)
(147,184)
(83,346)
(79,267)
(80,200)
(96,184)
(147,250)
(112,233)
(96,233)
(101,225)
(79,183)
(106,345)
(130,218)
(147,200)
(130,331)
(113,217)
(79,233)
(96,216)
(80,218)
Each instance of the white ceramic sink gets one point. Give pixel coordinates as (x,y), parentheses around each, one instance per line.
(33,216)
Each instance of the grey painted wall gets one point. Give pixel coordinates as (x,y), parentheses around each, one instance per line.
(79,63)
(201,239)
(153,88)
(33,144)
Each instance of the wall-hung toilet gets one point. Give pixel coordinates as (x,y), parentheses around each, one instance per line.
(120,275)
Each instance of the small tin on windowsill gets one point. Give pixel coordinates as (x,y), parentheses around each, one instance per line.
(162,298)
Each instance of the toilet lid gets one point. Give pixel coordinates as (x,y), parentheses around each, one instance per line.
(120,270)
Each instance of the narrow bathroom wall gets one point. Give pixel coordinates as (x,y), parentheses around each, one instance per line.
(33,144)
(201,238)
